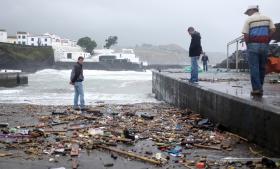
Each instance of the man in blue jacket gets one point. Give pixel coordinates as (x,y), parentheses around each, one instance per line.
(76,79)
(194,52)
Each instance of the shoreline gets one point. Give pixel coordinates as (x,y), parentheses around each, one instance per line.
(169,127)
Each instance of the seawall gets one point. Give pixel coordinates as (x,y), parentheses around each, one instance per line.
(13,79)
(256,121)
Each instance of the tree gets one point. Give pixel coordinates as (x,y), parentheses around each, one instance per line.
(87,44)
(112,40)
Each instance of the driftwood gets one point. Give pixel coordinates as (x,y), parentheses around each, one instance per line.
(55,131)
(207,147)
(156,162)
(5,154)
(122,139)
(235,135)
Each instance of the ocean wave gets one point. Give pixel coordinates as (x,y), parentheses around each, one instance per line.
(51,87)
(95,74)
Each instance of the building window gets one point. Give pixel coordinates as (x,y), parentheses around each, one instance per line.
(46,45)
(19,36)
(23,43)
(32,39)
(23,37)
(19,42)
(69,55)
(46,39)
(32,44)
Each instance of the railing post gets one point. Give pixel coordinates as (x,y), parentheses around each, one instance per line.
(236,53)
(227,56)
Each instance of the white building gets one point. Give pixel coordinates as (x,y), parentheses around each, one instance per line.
(22,38)
(47,39)
(55,39)
(39,40)
(12,39)
(3,35)
(73,43)
(69,53)
(68,42)
(73,56)
(110,54)
(129,55)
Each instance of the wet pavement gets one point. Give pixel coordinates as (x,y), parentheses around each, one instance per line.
(233,83)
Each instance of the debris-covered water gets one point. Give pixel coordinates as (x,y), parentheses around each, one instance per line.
(119,136)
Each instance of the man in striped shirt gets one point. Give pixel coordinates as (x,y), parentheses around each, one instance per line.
(257,32)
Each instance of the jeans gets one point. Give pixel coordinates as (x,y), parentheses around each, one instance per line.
(79,92)
(194,71)
(205,67)
(257,57)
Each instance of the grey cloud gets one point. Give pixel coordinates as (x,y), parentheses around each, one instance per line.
(134,21)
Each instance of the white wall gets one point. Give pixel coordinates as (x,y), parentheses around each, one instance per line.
(75,55)
(56,42)
(12,40)
(22,39)
(32,41)
(60,53)
(3,36)
(36,40)
(46,41)
(129,54)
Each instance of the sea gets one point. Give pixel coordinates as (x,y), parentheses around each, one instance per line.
(51,87)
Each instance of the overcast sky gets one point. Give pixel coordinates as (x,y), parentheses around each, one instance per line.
(134,21)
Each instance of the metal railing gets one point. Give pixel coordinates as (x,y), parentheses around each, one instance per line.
(235,41)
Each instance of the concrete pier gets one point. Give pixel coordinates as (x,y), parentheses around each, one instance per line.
(10,79)
(227,103)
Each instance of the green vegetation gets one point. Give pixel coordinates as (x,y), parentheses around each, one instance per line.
(87,44)
(26,53)
(112,40)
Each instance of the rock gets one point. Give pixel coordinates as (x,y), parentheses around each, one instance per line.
(149,153)
(268,163)
(114,156)
(4,125)
(109,165)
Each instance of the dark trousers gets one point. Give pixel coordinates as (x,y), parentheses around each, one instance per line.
(205,67)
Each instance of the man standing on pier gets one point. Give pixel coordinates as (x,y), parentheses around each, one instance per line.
(205,61)
(257,34)
(194,52)
(76,80)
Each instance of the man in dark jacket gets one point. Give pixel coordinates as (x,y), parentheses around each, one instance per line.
(205,60)
(194,52)
(77,79)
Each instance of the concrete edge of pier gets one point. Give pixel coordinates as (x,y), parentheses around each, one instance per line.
(258,122)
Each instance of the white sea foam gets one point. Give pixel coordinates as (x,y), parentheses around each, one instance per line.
(99,74)
(51,87)
(8,91)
